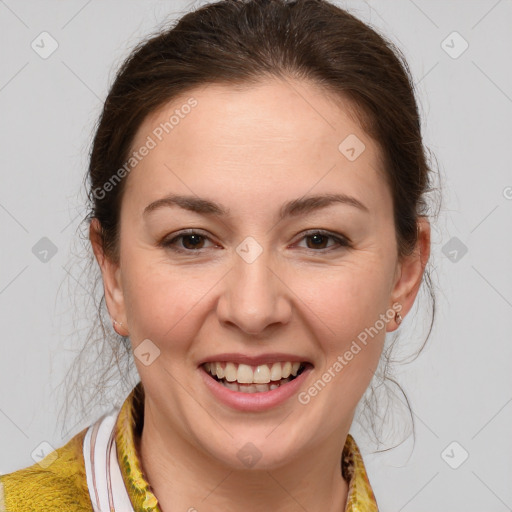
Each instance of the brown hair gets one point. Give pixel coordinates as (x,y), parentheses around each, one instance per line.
(241,42)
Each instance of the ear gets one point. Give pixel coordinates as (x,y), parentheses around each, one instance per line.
(409,272)
(112,283)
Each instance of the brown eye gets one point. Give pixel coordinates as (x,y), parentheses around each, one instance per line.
(186,242)
(192,241)
(317,240)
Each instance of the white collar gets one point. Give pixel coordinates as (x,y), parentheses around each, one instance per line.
(104,479)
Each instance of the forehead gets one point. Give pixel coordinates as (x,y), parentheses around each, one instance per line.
(276,136)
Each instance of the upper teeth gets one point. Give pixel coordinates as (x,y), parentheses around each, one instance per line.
(245,374)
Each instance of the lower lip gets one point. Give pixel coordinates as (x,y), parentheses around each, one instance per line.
(259,401)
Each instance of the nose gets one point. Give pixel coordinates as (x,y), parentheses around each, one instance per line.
(255,297)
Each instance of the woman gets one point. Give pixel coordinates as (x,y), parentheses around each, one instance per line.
(257,184)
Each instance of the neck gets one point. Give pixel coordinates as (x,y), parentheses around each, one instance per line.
(183,478)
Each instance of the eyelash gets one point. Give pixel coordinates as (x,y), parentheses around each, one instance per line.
(339,239)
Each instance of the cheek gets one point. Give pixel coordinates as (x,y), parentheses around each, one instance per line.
(168,304)
(345,300)
(345,311)
(159,299)
(350,331)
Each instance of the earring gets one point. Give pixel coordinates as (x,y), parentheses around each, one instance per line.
(398,318)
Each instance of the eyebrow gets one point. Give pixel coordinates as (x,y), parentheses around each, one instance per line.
(296,207)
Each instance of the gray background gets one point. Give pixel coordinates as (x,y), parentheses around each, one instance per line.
(460,388)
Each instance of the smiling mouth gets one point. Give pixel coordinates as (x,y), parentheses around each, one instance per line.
(255,387)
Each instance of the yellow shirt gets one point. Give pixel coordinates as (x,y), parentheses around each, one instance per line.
(59,482)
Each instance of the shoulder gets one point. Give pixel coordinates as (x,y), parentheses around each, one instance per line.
(57,482)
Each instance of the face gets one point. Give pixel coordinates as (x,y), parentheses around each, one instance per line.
(249,269)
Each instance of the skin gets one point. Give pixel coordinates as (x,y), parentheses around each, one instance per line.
(252,150)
